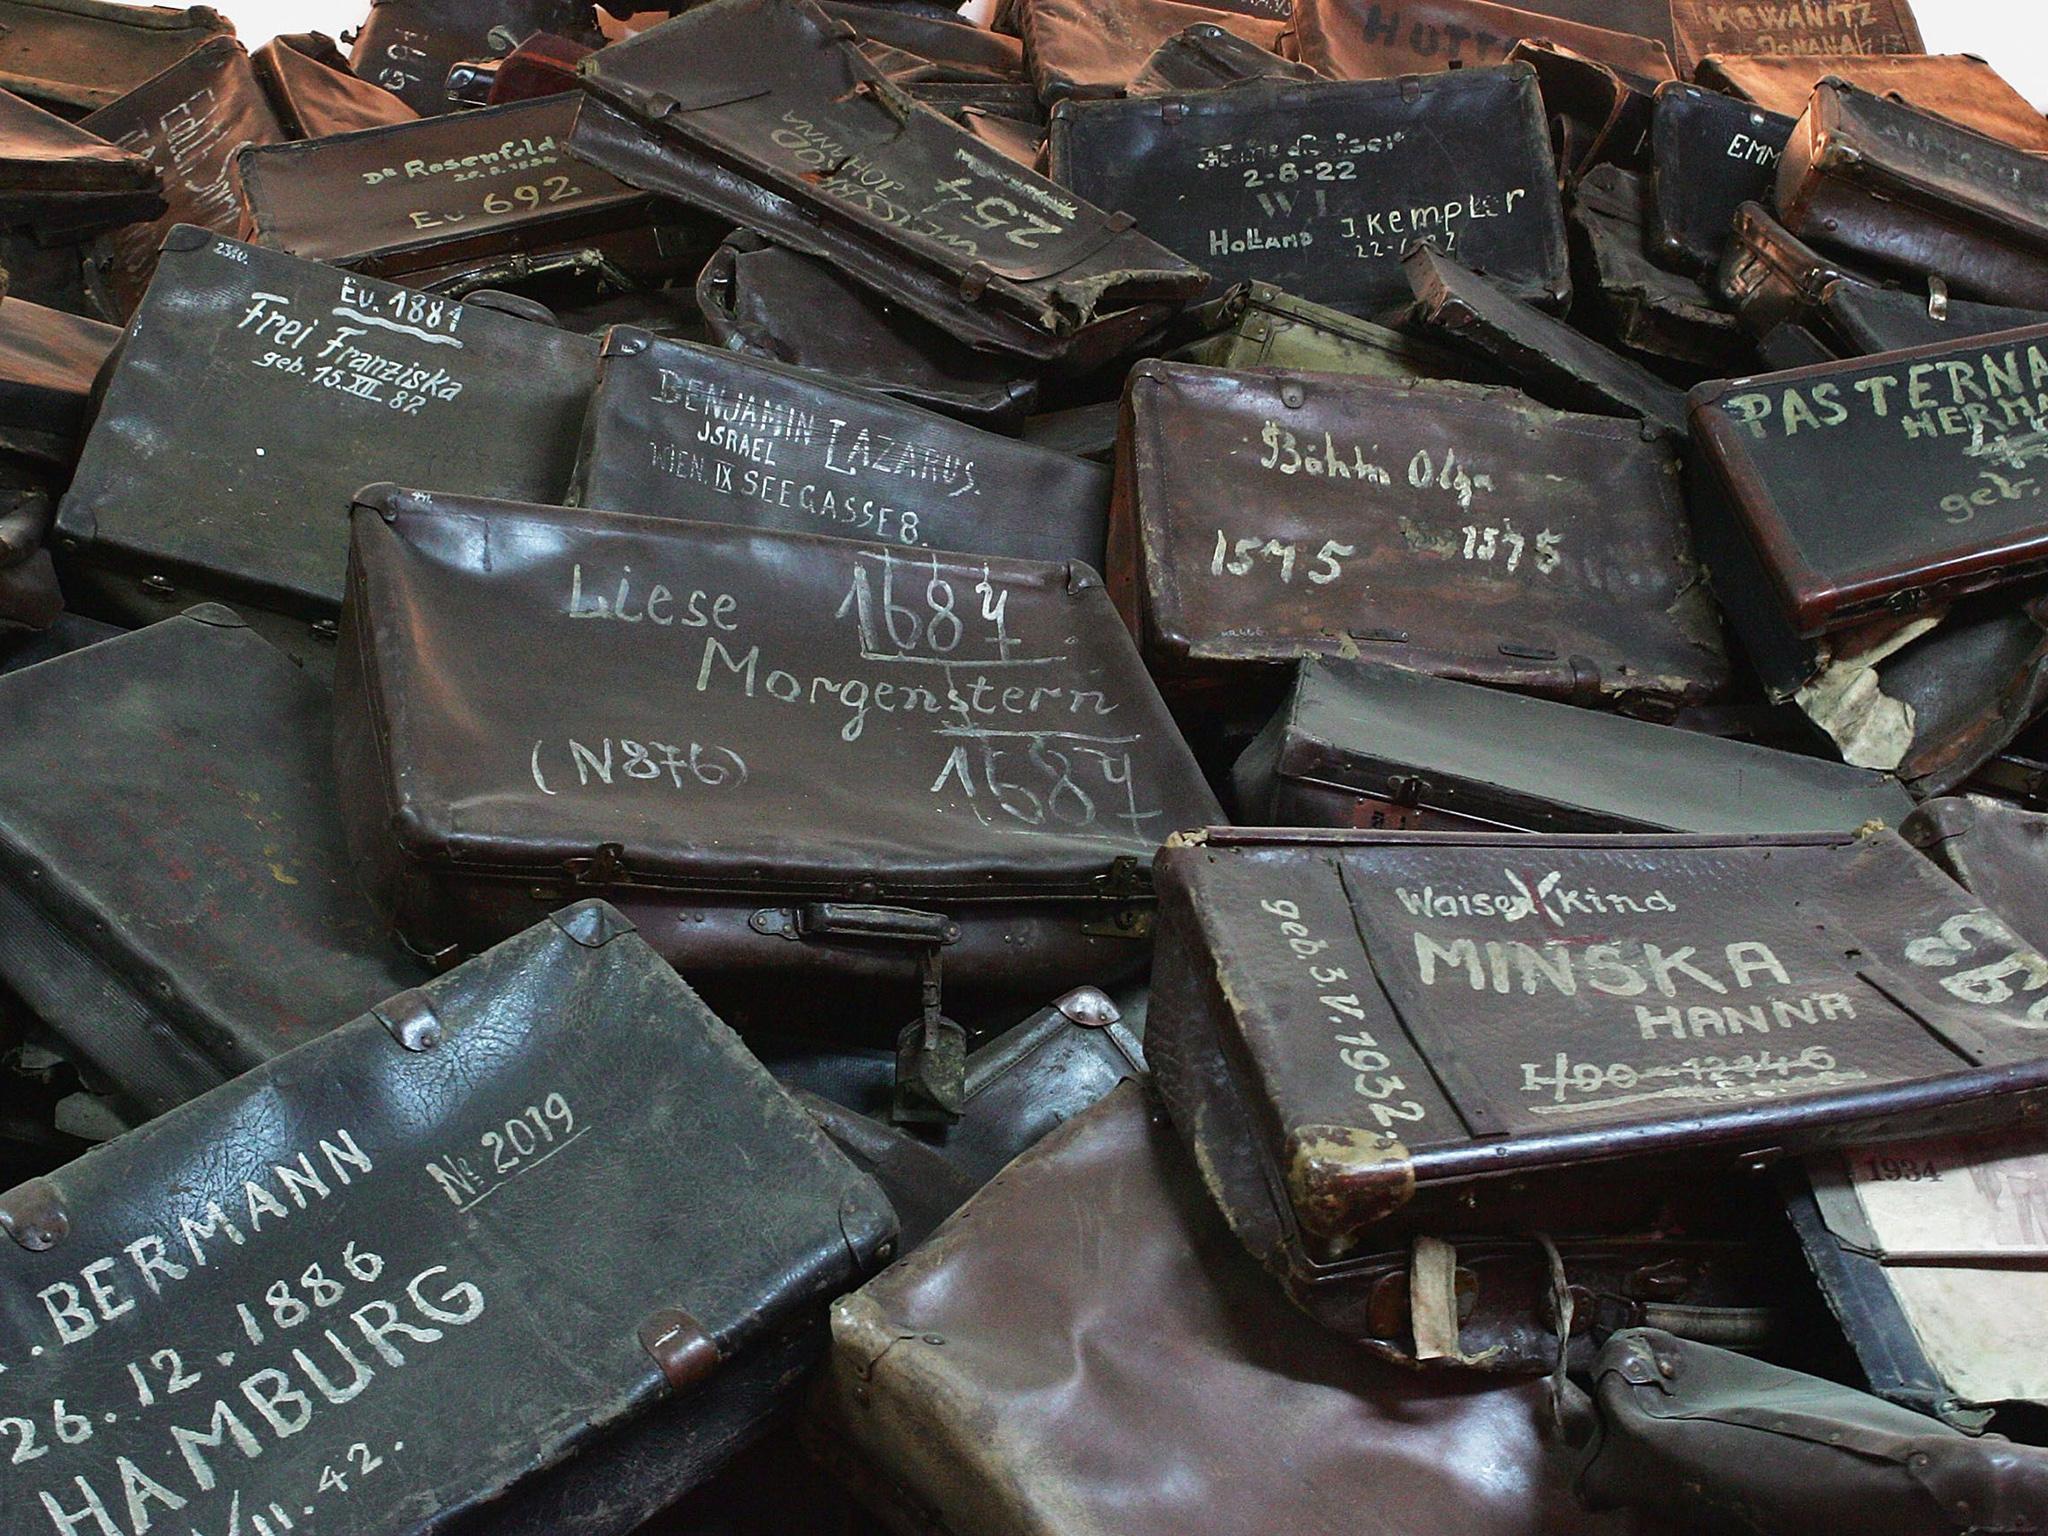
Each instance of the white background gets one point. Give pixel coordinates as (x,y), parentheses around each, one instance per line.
(2012,34)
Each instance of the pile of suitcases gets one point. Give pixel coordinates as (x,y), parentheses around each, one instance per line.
(1145,766)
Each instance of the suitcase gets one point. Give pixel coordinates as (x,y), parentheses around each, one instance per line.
(313,93)
(1704,27)
(48,362)
(188,122)
(1712,155)
(1994,851)
(177,899)
(996,256)
(1794,552)
(60,182)
(1863,319)
(1956,86)
(72,56)
(455,190)
(1379,749)
(1317,188)
(1554,363)
(1320,1000)
(1441,528)
(542,65)
(1094,1275)
(1771,278)
(1379,39)
(1595,115)
(1205,55)
(314,381)
(949,49)
(1929,1255)
(687,432)
(383,1210)
(1721,1441)
(1256,325)
(1908,191)
(766,302)
(1628,300)
(1096,48)
(409,46)
(894,763)
(1017,1086)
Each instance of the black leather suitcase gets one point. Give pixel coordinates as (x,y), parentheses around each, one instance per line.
(1373,747)
(75,55)
(1860,318)
(1319,187)
(188,122)
(459,189)
(683,431)
(781,125)
(796,760)
(1366,1036)
(257,392)
(1263,516)
(1712,155)
(260,1307)
(178,906)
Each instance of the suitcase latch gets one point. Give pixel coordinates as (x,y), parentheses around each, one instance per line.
(605,867)
(931,1051)
(1407,790)
(1128,883)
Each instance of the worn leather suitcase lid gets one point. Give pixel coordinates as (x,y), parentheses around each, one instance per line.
(1378,39)
(1506,1004)
(1956,86)
(468,1185)
(1631,301)
(1095,47)
(178,896)
(1947,187)
(1205,55)
(773,92)
(1864,318)
(466,186)
(408,46)
(766,302)
(1493,755)
(188,122)
(841,724)
(1275,1424)
(1712,155)
(48,361)
(1947,429)
(1704,27)
(43,155)
(79,54)
(314,381)
(682,431)
(1318,187)
(1265,516)
(1547,357)
(309,84)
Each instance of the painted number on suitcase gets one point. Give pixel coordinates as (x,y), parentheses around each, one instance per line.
(1240,557)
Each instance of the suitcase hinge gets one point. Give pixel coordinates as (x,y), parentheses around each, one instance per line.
(33,1215)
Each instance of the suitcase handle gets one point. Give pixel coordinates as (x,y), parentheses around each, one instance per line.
(849,920)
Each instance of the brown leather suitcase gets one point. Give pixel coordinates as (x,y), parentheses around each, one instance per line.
(799,761)
(75,55)
(1094,1275)
(188,122)
(1702,27)
(1097,47)
(1207,54)
(1596,116)
(456,190)
(61,182)
(782,126)
(409,46)
(1264,516)
(1377,39)
(1910,192)
(1957,86)
(1318,187)
(680,431)
(1770,277)
(762,301)
(1366,1035)
(310,86)
(1795,554)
